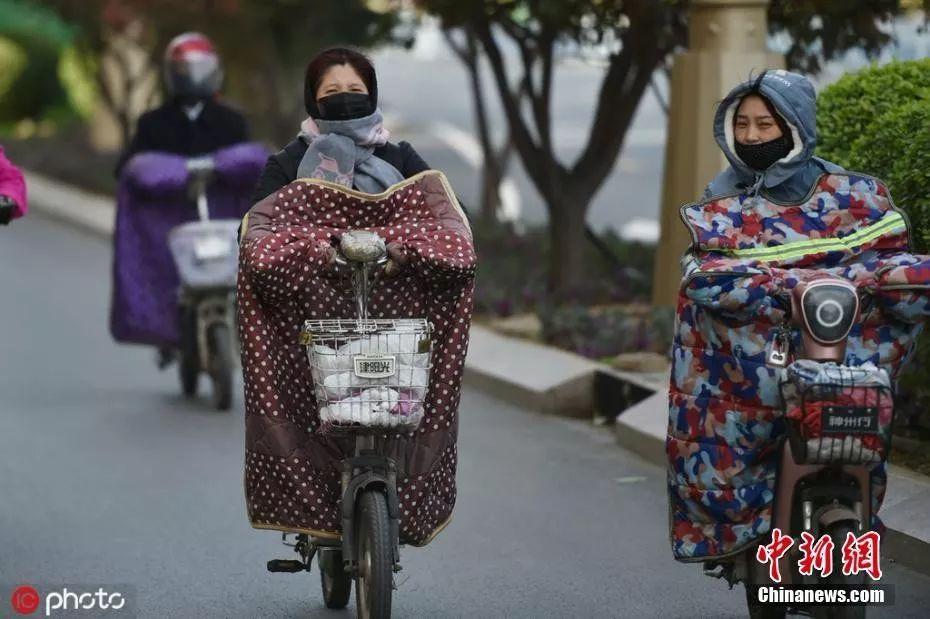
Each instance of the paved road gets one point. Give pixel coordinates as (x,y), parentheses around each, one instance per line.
(108,477)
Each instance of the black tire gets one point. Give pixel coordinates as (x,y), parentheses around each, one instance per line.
(757,610)
(188,355)
(838,534)
(336,583)
(375,580)
(221,366)
(758,574)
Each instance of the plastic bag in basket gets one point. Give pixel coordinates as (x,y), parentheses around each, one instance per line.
(381,407)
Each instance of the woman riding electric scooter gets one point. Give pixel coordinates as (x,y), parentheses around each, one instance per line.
(795,273)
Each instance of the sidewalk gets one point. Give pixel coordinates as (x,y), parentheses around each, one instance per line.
(89,211)
(545,379)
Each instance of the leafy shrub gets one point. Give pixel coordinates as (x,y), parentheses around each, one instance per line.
(877,121)
(853,106)
(601,332)
(41,36)
(897,150)
(512,270)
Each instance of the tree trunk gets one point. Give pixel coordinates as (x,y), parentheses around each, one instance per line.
(491,176)
(493,166)
(566,244)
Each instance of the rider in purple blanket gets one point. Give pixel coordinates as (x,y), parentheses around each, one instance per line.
(153,198)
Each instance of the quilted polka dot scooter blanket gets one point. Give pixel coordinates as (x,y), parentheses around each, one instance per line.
(292,464)
(725,408)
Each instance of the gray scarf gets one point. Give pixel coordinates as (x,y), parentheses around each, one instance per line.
(341,151)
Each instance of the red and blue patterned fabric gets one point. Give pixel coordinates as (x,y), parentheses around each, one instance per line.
(725,411)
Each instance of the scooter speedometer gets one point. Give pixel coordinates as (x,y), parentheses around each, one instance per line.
(829,310)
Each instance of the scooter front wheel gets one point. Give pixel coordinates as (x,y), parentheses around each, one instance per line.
(188,355)
(838,533)
(758,610)
(758,574)
(375,581)
(221,366)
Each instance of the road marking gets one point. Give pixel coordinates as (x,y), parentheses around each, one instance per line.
(640,229)
(634,479)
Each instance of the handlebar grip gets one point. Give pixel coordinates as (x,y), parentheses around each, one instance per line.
(6,210)
(362,246)
(200,165)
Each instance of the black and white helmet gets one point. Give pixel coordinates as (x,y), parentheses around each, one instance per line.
(192,67)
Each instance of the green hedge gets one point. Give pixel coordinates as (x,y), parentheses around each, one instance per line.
(897,150)
(852,108)
(877,121)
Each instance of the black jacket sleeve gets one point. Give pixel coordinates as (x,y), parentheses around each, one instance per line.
(280,170)
(240,128)
(412,163)
(141,141)
(273,177)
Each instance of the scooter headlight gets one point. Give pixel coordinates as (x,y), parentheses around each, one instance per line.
(829,311)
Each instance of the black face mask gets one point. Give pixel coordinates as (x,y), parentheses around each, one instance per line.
(761,156)
(345,106)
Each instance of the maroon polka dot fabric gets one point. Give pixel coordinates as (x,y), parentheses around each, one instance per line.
(291,467)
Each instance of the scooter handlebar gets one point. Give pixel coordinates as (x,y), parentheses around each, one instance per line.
(167,174)
(201,165)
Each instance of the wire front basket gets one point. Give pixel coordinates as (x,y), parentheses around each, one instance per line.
(838,414)
(370,373)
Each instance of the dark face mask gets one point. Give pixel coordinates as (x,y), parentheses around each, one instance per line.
(761,156)
(345,106)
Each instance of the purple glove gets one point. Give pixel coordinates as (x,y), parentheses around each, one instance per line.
(240,165)
(157,174)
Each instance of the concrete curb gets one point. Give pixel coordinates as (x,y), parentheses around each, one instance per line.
(62,202)
(545,379)
(530,375)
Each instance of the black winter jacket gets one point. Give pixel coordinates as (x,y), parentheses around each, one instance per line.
(168,129)
(281,168)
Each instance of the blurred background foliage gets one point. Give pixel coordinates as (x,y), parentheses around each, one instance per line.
(65,64)
(34,81)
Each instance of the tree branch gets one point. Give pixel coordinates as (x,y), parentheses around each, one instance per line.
(464,53)
(530,152)
(627,78)
(543,107)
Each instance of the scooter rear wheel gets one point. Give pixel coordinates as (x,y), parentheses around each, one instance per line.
(336,583)
(375,581)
